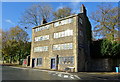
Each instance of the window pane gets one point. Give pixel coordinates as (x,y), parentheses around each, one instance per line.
(63,46)
(63,33)
(56,24)
(40,49)
(40,38)
(70,46)
(57,35)
(70,20)
(39,61)
(80,20)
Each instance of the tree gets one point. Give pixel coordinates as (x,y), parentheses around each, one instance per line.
(21,37)
(105,48)
(63,12)
(4,49)
(33,15)
(106,21)
(15,44)
(1,44)
(110,49)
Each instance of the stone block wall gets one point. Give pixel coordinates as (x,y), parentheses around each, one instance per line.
(101,64)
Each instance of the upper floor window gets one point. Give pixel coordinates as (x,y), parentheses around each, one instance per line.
(41,49)
(56,24)
(63,33)
(80,20)
(81,33)
(66,46)
(40,38)
(41,28)
(66,21)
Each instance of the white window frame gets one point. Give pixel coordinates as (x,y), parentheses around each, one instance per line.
(41,38)
(41,49)
(66,46)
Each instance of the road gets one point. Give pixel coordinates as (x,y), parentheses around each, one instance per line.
(13,73)
(17,73)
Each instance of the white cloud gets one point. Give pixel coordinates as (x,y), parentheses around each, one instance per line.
(9,21)
(60,7)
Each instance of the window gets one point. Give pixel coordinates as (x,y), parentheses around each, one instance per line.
(39,61)
(36,49)
(45,48)
(63,33)
(41,49)
(40,38)
(56,24)
(70,20)
(70,46)
(81,33)
(54,35)
(63,22)
(55,47)
(66,46)
(71,32)
(68,32)
(66,60)
(80,20)
(41,28)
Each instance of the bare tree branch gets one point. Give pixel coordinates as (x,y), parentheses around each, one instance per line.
(33,15)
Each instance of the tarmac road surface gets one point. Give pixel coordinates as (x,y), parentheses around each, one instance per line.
(14,73)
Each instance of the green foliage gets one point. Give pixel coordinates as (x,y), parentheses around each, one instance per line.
(105,48)
(115,49)
(110,48)
(15,44)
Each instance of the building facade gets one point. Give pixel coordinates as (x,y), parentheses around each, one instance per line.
(61,44)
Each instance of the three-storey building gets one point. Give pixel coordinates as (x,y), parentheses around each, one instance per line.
(61,44)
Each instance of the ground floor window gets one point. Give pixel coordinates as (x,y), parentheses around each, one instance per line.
(66,60)
(39,61)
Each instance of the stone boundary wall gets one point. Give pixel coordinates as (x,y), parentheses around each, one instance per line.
(98,64)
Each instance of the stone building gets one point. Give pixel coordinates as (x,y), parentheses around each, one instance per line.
(62,44)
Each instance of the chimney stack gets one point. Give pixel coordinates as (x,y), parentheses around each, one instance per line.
(83,9)
(43,21)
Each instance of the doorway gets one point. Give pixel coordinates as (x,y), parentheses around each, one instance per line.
(33,62)
(28,64)
(53,63)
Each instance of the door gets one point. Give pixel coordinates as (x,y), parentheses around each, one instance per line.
(28,64)
(53,65)
(33,62)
